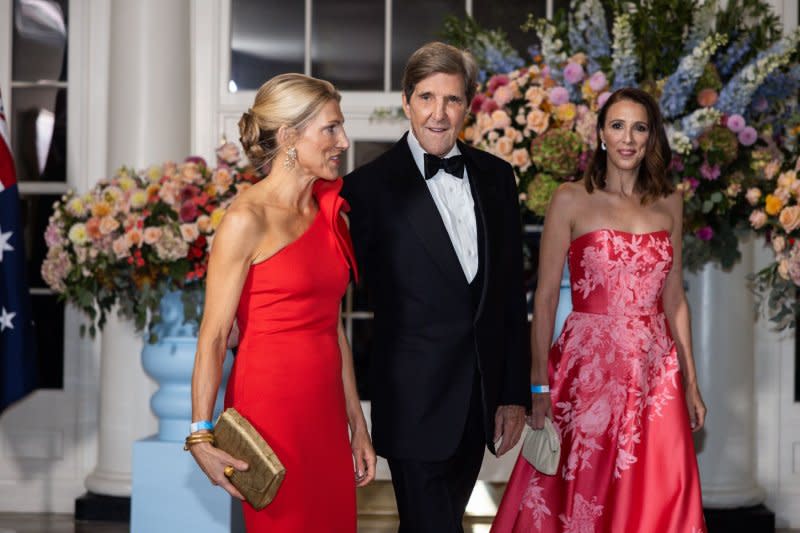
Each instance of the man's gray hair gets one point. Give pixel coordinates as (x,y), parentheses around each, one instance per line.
(437,57)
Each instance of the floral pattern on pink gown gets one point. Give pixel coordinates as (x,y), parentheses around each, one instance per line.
(627,455)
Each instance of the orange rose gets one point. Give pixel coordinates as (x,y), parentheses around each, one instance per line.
(773,205)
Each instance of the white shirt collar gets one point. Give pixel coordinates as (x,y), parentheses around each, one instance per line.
(419,153)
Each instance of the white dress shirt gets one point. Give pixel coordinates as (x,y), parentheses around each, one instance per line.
(453,199)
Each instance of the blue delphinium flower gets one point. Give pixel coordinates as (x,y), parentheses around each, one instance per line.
(588,32)
(737,94)
(727,60)
(680,84)
(497,61)
(624,63)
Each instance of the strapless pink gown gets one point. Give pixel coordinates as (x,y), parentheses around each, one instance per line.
(627,458)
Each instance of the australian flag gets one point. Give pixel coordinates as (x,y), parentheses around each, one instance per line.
(17,356)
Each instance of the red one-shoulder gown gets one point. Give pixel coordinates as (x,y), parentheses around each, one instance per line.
(287,376)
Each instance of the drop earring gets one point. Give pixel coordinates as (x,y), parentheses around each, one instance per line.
(291,158)
(603,146)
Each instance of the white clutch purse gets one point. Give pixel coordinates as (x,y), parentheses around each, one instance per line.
(542,448)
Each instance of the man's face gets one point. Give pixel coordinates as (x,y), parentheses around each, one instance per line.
(436,110)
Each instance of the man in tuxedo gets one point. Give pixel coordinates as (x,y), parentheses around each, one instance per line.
(436,230)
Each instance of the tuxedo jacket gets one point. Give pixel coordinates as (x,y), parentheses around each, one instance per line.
(433,332)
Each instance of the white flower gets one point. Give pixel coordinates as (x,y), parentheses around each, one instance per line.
(678,142)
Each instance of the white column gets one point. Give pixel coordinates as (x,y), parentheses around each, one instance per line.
(148,122)
(125,414)
(722,330)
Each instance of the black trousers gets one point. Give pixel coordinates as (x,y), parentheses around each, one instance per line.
(432,496)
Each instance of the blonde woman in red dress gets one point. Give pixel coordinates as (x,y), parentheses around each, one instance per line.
(623,390)
(280,264)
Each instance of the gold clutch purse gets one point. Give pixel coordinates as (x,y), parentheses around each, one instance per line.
(236,436)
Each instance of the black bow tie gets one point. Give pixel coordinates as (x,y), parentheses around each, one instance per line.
(452,165)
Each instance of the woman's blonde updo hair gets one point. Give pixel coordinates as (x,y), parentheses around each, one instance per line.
(290,100)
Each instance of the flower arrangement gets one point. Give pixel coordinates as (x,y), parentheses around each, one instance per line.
(133,237)
(775,199)
(724,93)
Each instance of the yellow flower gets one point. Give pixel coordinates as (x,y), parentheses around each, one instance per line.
(565,112)
(78,234)
(76,207)
(126,183)
(216,217)
(138,199)
(773,205)
(154,173)
(101,209)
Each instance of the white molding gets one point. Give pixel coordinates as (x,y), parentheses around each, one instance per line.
(6,37)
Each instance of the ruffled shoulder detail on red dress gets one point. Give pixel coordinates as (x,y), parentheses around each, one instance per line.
(330,206)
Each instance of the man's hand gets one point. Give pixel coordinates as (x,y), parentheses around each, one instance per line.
(509,420)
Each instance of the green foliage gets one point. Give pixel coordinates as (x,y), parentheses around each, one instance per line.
(659,27)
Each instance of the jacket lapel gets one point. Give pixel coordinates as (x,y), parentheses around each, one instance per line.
(417,205)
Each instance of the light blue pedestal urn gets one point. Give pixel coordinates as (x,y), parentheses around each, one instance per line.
(170,492)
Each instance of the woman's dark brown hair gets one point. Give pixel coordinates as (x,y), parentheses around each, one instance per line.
(653,181)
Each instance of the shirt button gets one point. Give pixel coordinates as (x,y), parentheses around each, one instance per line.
(469,253)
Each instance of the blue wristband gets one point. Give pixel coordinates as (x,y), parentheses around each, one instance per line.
(201,424)
(540,389)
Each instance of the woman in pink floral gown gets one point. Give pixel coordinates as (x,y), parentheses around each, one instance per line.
(623,389)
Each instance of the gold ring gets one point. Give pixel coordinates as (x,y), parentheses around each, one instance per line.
(229,470)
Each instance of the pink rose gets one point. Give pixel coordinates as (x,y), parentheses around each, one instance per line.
(538,121)
(500,120)
(790,218)
(778,243)
(758,218)
(489,106)
(736,123)
(133,237)
(204,223)
(771,168)
(504,146)
(601,100)
(753,194)
(496,81)
(503,95)
(222,178)
(535,95)
(151,235)
(476,103)
(573,73)
(521,159)
(108,224)
(558,95)
(121,247)
(189,232)
(228,153)
(748,136)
